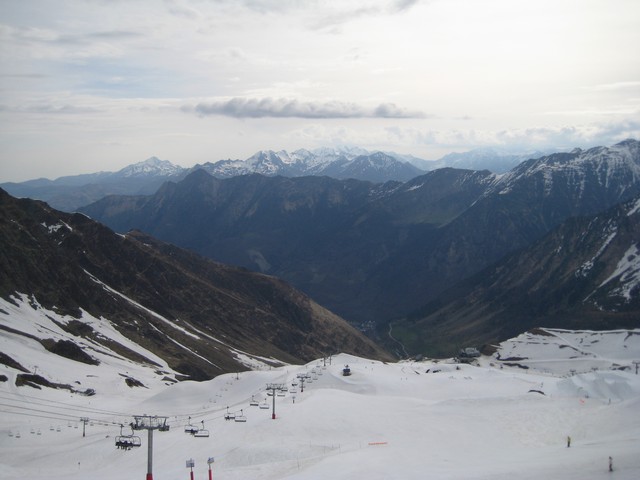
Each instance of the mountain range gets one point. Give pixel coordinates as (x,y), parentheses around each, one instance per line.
(202,318)
(374,252)
(72,192)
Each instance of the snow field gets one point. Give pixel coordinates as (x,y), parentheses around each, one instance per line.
(384,422)
(405,420)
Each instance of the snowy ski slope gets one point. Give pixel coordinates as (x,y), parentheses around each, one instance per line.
(408,420)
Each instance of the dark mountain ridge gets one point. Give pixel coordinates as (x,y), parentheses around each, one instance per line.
(584,274)
(370,251)
(196,314)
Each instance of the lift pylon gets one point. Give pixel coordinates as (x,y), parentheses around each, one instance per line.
(150,423)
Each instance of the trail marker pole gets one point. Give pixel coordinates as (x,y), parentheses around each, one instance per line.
(190,464)
(209,462)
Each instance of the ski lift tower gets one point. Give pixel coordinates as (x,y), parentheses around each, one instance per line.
(273,387)
(303,377)
(150,423)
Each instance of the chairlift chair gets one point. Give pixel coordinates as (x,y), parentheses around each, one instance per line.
(253,402)
(127,442)
(264,405)
(189,428)
(240,418)
(202,432)
(229,415)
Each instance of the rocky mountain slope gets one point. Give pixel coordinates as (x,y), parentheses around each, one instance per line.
(371,252)
(201,317)
(583,274)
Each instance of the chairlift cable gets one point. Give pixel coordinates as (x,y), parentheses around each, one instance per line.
(88,409)
(67,416)
(67,407)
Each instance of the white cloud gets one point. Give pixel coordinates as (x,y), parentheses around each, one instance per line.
(288,108)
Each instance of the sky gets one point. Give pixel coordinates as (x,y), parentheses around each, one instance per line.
(95,85)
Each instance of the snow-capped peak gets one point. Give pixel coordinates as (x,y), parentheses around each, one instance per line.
(150,166)
(610,165)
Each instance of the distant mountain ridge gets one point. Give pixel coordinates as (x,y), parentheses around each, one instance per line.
(372,251)
(336,163)
(494,159)
(69,193)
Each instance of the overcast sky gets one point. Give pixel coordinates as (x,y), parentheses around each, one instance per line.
(90,85)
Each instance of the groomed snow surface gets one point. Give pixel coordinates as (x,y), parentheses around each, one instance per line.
(407,420)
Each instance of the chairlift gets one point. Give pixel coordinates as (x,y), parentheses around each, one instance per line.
(189,428)
(229,415)
(264,405)
(281,393)
(253,402)
(202,432)
(293,391)
(240,418)
(346,371)
(127,442)
(294,384)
